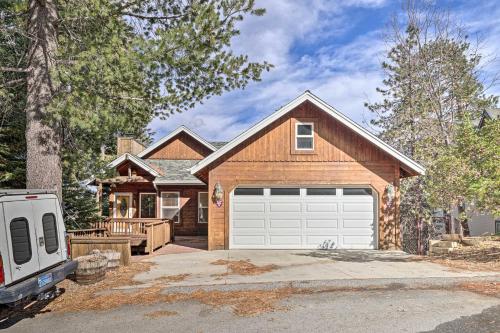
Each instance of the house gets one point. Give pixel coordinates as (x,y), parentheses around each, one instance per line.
(304,177)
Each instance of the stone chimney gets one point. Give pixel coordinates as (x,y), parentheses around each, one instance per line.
(127,144)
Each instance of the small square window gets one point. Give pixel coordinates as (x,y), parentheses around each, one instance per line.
(249,191)
(304,136)
(285,191)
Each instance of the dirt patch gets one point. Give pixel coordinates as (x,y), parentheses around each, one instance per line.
(467,265)
(160,313)
(484,256)
(77,296)
(484,288)
(243,267)
(173,278)
(248,302)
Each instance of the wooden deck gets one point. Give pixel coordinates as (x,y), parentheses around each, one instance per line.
(144,235)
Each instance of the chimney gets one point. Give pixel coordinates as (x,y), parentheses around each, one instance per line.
(127,144)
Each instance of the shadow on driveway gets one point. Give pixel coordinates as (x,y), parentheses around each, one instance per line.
(360,255)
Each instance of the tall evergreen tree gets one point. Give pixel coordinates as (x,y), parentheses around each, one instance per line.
(431,85)
(12,100)
(95,68)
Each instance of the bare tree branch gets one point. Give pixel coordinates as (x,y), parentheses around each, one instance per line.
(15,69)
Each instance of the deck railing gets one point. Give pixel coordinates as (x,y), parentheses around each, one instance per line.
(85,233)
(156,232)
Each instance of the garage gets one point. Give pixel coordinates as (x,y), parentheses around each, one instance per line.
(303,217)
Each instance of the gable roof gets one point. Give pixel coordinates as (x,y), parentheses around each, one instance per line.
(137,161)
(173,134)
(308,96)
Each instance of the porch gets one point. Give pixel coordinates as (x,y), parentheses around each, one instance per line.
(137,198)
(123,235)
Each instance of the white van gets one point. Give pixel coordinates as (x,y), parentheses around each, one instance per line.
(34,254)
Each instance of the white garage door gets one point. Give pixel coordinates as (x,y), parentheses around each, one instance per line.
(302,218)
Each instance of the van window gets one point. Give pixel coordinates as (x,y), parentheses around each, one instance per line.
(21,243)
(50,233)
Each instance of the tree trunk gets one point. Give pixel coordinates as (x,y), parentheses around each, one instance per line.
(43,134)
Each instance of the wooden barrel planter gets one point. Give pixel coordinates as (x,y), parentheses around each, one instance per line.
(91,268)
(113,258)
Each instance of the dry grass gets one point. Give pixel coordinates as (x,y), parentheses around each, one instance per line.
(78,297)
(248,302)
(160,313)
(173,278)
(243,267)
(485,288)
(103,297)
(482,257)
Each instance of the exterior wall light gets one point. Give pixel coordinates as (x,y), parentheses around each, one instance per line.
(218,195)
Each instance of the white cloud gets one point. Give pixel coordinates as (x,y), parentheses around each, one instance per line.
(299,38)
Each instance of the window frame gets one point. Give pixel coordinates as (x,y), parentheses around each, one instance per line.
(312,189)
(246,194)
(171,207)
(297,135)
(278,189)
(202,207)
(56,231)
(29,240)
(140,203)
(367,191)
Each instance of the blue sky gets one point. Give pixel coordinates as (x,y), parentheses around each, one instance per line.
(333,48)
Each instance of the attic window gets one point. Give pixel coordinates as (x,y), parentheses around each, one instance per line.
(304,136)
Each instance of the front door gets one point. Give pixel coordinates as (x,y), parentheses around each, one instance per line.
(123,208)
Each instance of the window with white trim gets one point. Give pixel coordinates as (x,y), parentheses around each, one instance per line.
(171,206)
(202,207)
(304,136)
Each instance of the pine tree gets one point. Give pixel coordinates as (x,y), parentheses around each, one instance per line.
(95,68)
(79,205)
(431,84)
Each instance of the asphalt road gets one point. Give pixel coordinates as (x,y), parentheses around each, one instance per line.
(346,311)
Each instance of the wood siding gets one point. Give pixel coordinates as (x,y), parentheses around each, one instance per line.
(128,145)
(341,157)
(333,141)
(180,147)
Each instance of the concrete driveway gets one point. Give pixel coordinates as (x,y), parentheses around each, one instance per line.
(202,268)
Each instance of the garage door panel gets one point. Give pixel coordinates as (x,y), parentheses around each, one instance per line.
(322,242)
(315,223)
(284,207)
(321,207)
(251,223)
(277,240)
(357,207)
(249,240)
(367,223)
(358,216)
(287,223)
(250,207)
